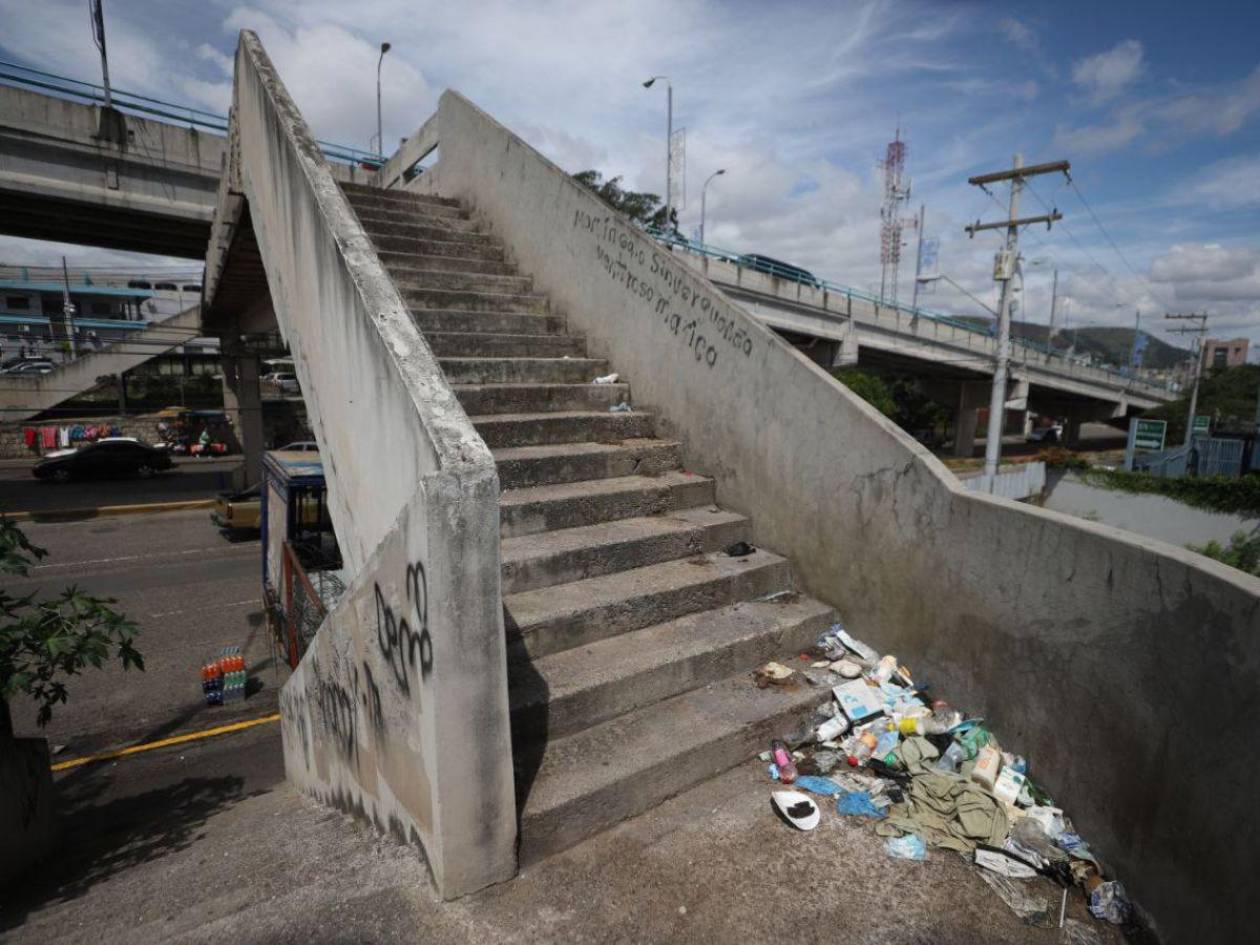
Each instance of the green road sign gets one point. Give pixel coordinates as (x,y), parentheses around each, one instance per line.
(1202,425)
(1150,434)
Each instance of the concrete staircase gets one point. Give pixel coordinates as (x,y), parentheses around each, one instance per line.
(631,633)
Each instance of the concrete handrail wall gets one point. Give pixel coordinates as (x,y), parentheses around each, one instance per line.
(1117,665)
(24,395)
(398,710)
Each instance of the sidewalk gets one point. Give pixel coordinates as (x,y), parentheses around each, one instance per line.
(712,865)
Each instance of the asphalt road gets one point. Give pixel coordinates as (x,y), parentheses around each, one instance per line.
(189,479)
(190,590)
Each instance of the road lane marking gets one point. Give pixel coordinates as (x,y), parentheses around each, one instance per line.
(158,555)
(166,742)
(182,610)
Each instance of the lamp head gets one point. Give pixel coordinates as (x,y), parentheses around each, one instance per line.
(385,47)
(720,171)
(648,83)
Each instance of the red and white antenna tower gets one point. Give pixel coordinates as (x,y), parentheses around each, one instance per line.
(896,193)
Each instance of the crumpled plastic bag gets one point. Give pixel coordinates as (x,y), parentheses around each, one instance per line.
(817,785)
(857,804)
(909,847)
(1109,901)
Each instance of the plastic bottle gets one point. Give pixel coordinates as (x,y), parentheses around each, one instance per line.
(954,755)
(783,758)
(832,728)
(885,669)
(864,749)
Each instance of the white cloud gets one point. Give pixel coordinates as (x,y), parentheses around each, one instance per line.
(1018,33)
(1100,138)
(1219,111)
(1231,184)
(1107,74)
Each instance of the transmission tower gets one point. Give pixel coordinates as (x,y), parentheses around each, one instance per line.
(896,193)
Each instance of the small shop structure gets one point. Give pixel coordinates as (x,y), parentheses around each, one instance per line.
(301,564)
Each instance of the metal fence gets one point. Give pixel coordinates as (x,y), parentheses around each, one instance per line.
(305,598)
(801,277)
(19,76)
(1218,457)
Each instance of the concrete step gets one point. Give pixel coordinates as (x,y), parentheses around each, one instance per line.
(401,267)
(446,218)
(487,323)
(460,281)
(432,229)
(473,301)
(366,193)
(532,429)
(447,243)
(574,554)
(411,255)
(523,370)
(553,463)
(567,692)
(483,399)
(574,504)
(577,786)
(493,345)
(551,619)
(401,211)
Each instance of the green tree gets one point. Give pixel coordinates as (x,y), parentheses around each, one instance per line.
(1243,552)
(42,641)
(643,208)
(1228,395)
(871,388)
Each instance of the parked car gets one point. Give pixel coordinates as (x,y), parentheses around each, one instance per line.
(299,446)
(285,382)
(238,511)
(1051,434)
(108,458)
(776,268)
(29,366)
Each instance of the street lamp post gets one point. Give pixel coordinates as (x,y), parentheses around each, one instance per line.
(380,138)
(716,173)
(669,144)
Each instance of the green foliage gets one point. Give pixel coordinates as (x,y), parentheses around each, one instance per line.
(43,641)
(901,399)
(1214,493)
(869,387)
(1228,395)
(1243,552)
(643,208)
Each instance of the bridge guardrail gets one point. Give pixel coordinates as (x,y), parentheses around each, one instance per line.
(20,76)
(794,274)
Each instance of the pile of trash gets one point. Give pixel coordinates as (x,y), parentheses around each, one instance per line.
(929,777)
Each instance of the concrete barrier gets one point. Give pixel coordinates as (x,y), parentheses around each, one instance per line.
(1118,665)
(28,818)
(398,711)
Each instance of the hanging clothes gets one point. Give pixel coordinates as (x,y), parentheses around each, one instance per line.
(63,437)
(48,437)
(29,437)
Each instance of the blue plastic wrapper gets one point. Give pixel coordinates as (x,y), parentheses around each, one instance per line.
(773,771)
(816,785)
(857,804)
(909,847)
(1109,901)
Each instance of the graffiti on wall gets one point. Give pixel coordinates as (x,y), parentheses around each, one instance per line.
(703,323)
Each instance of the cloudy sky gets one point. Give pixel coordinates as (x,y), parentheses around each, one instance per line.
(1156,106)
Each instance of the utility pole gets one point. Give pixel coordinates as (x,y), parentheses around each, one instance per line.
(68,308)
(669,147)
(1198,363)
(98,35)
(1054,298)
(918,263)
(1004,266)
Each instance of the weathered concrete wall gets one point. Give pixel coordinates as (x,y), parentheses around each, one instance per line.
(25,396)
(28,817)
(1116,664)
(399,709)
(1154,516)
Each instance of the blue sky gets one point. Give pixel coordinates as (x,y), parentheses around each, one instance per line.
(1157,106)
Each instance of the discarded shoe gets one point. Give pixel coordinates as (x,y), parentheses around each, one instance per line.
(798,809)
(741,549)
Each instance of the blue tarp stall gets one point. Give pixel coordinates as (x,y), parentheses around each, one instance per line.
(297,539)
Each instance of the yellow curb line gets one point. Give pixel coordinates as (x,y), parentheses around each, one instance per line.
(54,514)
(163,743)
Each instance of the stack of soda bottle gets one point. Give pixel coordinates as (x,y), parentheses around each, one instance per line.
(224,679)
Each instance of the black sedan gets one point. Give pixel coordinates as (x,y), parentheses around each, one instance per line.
(107,458)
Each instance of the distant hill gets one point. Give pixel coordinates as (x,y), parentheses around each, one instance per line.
(1108,345)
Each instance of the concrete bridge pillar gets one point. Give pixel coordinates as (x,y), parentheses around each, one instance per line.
(242,399)
(972,396)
